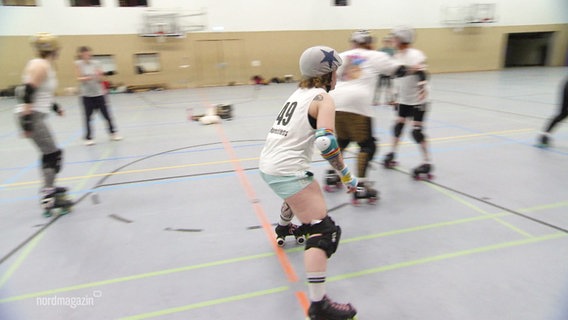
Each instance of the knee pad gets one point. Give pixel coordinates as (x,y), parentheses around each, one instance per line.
(52,160)
(328,240)
(369,147)
(342,143)
(398,129)
(417,134)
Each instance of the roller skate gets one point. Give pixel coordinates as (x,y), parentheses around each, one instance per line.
(389,162)
(56,200)
(290,230)
(329,310)
(332,181)
(364,191)
(543,141)
(422,172)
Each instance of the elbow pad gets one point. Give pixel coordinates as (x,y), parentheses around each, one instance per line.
(327,143)
(400,72)
(28,93)
(422,75)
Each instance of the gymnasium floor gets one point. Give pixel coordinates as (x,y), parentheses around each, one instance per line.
(174,221)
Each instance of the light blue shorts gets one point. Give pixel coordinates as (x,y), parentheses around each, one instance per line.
(287,186)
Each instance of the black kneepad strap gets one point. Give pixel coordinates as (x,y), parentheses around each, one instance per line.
(417,134)
(328,238)
(52,160)
(398,129)
(369,147)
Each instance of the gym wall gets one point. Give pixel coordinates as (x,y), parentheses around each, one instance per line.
(244,49)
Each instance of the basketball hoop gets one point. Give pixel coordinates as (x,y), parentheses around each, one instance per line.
(160,36)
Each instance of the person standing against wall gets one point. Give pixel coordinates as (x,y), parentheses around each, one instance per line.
(93,94)
(37,95)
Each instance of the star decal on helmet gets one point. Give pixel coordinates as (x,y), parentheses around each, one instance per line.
(328,57)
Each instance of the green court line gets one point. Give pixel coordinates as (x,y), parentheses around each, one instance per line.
(447,256)
(36,240)
(263,255)
(474,207)
(136,277)
(207,303)
(352,275)
(545,206)
(16,265)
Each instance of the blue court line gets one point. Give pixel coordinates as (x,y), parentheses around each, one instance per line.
(135,184)
(140,156)
(530,143)
(35,164)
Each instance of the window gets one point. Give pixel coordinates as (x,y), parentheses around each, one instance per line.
(133,3)
(85,3)
(22,3)
(147,62)
(107,63)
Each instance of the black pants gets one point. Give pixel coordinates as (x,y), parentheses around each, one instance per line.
(91,104)
(562,112)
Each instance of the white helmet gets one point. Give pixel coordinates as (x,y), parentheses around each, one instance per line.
(319,60)
(45,42)
(405,34)
(362,37)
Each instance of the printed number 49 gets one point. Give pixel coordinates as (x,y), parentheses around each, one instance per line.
(286,113)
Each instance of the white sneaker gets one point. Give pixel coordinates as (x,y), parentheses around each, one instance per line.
(89,142)
(115,137)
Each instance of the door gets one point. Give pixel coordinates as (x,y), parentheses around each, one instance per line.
(220,62)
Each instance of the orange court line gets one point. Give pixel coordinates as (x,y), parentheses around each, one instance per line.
(261,215)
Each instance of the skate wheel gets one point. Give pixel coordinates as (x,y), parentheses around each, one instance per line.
(47,213)
(301,239)
(280,242)
(328,188)
(355,202)
(372,200)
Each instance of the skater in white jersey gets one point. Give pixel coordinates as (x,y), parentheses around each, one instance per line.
(353,96)
(37,97)
(411,100)
(307,120)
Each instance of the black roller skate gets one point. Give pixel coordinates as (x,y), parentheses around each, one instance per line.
(56,200)
(543,141)
(422,172)
(364,191)
(389,162)
(332,181)
(290,230)
(329,310)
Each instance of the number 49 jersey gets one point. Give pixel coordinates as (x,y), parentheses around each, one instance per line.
(290,142)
